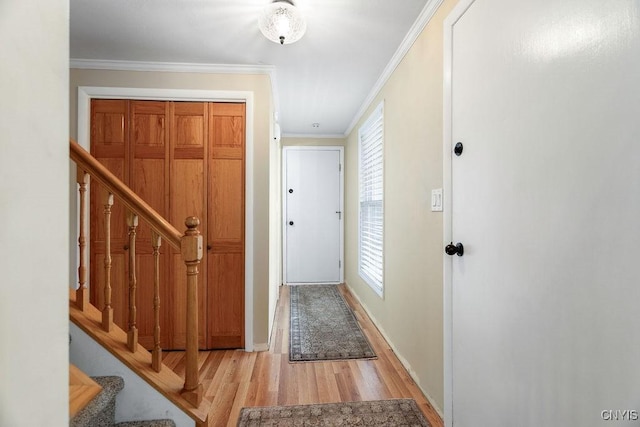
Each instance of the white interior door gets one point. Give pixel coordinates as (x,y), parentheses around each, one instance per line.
(313,214)
(544,327)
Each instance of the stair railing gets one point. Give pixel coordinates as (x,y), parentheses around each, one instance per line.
(189,244)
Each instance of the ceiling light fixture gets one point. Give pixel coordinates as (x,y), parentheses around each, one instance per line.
(281,22)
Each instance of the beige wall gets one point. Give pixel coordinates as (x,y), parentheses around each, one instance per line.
(410,315)
(314,141)
(34,212)
(260,85)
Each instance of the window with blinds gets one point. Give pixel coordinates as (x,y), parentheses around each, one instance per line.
(371,218)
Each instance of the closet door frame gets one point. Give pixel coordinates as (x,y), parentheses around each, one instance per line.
(87,93)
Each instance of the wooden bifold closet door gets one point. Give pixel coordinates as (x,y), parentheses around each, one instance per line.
(184,159)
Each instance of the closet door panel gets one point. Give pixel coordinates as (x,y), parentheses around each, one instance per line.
(188,198)
(227,194)
(226,262)
(149,124)
(227,127)
(149,151)
(109,128)
(187,192)
(225,302)
(226,319)
(149,184)
(108,141)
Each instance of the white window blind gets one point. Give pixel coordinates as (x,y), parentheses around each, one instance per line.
(371,220)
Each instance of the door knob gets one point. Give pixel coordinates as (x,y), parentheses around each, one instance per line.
(208,247)
(452,249)
(290,222)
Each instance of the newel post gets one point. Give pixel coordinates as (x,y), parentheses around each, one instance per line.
(191,248)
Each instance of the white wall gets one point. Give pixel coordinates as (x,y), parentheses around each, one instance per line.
(34,204)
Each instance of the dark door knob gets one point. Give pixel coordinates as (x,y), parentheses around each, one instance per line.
(290,222)
(452,249)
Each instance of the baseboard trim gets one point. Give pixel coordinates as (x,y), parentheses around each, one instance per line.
(261,347)
(402,360)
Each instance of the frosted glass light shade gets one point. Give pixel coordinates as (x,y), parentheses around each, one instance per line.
(281,22)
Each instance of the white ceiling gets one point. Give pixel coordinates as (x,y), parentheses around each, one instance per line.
(324,78)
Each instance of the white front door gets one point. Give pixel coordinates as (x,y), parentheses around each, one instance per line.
(313,214)
(544,320)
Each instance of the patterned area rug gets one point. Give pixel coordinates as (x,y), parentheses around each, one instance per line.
(378,413)
(323,327)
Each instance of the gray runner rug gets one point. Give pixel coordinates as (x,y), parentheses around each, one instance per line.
(323,327)
(377,413)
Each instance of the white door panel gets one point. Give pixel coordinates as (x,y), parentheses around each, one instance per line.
(545,326)
(313,215)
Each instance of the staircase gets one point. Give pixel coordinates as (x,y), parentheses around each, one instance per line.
(101,409)
(186,394)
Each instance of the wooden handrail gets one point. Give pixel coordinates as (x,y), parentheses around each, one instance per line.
(189,244)
(130,199)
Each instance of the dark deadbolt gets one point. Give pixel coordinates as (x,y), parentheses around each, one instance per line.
(290,190)
(450,249)
(290,222)
(458,148)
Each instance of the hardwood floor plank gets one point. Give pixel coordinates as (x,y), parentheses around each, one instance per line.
(220,414)
(347,386)
(235,379)
(375,386)
(288,385)
(242,398)
(311,385)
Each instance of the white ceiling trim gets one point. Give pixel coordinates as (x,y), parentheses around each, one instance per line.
(181,67)
(314,135)
(174,67)
(423,19)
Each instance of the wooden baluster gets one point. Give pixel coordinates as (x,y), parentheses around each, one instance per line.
(82,293)
(156,354)
(191,248)
(132,334)
(107,311)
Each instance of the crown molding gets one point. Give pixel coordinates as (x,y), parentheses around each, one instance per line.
(181,67)
(174,67)
(416,29)
(313,135)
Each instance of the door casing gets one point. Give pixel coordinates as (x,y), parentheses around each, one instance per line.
(86,93)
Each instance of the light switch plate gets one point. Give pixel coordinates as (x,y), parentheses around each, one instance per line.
(436,200)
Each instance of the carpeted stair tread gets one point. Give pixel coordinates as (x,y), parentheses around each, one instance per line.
(100,411)
(151,423)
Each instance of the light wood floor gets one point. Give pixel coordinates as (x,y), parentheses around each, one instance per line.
(233,378)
